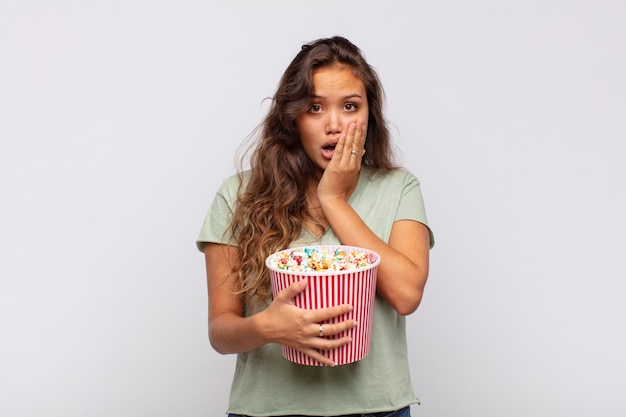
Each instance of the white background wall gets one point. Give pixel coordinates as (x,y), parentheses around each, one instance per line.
(119,120)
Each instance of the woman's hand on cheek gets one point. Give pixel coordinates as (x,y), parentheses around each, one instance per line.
(342,172)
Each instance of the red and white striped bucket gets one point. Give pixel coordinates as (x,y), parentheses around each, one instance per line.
(356,287)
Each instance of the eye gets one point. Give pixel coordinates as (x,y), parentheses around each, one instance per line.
(351,107)
(315,108)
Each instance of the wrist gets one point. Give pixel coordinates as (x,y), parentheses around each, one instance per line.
(332,202)
(259,328)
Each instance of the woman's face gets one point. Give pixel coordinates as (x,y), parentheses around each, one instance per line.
(339,98)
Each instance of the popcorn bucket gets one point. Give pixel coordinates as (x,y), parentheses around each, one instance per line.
(327,288)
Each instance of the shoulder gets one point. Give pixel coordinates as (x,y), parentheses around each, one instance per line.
(397,176)
(232,185)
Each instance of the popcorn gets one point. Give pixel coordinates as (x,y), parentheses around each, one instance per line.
(311,259)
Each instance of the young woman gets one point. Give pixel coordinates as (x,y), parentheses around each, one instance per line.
(322,172)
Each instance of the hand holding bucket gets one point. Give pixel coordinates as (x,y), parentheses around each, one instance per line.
(328,287)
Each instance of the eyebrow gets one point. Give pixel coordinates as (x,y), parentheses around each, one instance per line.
(349,96)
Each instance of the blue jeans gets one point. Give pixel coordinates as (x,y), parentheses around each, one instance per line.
(403,412)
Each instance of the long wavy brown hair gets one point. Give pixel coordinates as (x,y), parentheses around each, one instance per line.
(271,208)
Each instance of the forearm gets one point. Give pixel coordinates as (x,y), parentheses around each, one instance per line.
(231,333)
(401,278)
(281,323)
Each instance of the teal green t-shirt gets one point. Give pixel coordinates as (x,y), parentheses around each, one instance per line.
(266,384)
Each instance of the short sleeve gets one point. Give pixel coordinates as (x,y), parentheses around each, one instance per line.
(411,206)
(215,226)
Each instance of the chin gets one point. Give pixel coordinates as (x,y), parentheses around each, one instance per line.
(320,168)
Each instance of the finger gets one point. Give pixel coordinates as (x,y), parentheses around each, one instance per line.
(358,142)
(314,354)
(333,329)
(351,141)
(340,147)
(329,344)
(323,314)
(321,344)
(288,294)
(359,136)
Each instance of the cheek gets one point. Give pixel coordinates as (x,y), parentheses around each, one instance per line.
(364,116)
(306,138)
(309,128)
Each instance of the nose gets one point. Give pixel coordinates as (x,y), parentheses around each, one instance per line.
(333,122)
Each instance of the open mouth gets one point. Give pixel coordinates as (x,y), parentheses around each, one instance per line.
(328,151)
